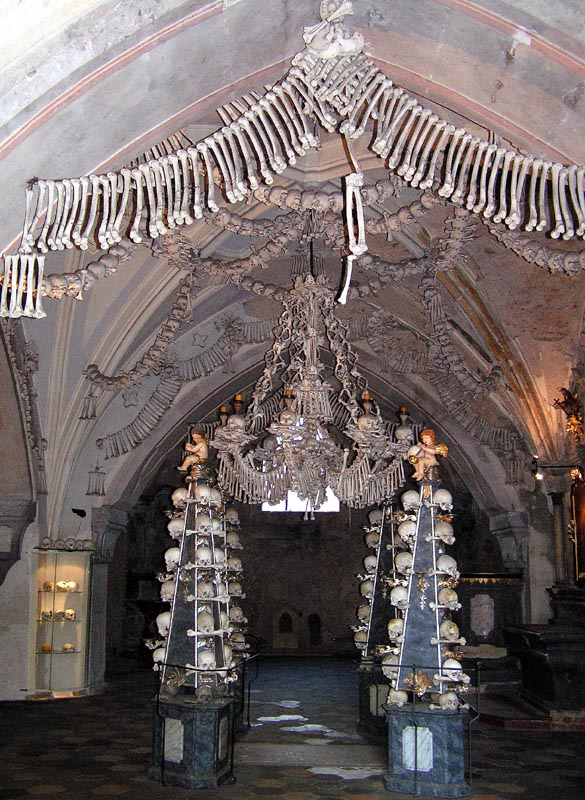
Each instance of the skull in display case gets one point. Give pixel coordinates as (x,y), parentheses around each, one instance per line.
(70,614)
(68,648)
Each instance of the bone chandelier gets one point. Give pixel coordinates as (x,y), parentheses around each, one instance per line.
(297,457)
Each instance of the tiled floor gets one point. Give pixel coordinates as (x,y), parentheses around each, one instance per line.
(302,745)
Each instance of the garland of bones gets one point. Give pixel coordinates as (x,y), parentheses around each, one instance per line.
(264,134)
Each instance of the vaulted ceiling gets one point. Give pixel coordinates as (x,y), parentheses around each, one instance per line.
(474,327)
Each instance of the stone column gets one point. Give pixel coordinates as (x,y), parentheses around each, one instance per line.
(558,483)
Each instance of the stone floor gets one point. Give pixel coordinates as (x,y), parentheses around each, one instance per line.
(301,744)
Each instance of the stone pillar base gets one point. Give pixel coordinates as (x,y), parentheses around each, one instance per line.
(193,742)
(428,751)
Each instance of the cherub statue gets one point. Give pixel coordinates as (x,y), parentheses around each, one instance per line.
(569,404)
(197,450)
(423,455)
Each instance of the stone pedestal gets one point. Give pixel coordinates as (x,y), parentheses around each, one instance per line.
(568,605)
(193,742)
(552,663)
(428,751)
(372,693)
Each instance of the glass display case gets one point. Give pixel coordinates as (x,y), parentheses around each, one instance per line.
(63,587)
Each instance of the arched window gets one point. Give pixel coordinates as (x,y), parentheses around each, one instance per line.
(285,623)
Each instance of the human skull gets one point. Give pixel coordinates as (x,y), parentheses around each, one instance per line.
(372,539)
(448,597)
(47,614)
(451,669)
(235,588)
(222,590)
(390,666)
(370,564)
(61,586)
(163,622)
(449,630)
(204,590)
(375,517)
(205,659)
(70,614)
(201,493)
(48,586)
(175,527)
(216,525)
(227,655)
(238,641)
(70,544)
(444,532)
(231,517)
(203,524)
(159,656)
(59,616)
(215,498)
(410,500)
(397,697)
(167,591)
(203,556)
(399,597)
(360,639)
(68,648)
(407,531)
(46,647)
(403,562)
(219,556)
(395,629)
(363,613)
(443,499)
(448,565)
(205,623)
(233,540)
(172,557)
(179,497)
(367,588)
(449,701)
(45,543)
(234,564)
(237,615)
(59,544)
(71,586)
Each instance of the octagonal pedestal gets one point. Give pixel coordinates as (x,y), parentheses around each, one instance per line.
(428,751)
(193,742)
